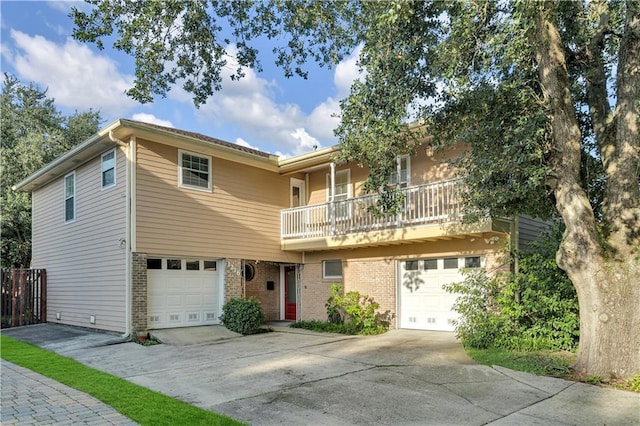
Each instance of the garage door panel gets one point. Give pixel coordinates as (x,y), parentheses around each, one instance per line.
(180,298)
(423,303)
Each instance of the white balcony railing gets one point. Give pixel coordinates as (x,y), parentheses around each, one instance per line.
(425,204)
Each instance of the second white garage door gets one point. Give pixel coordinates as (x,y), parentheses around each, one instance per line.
(423,304)
(183,292)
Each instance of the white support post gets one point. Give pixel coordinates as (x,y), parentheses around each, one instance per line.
(332,196)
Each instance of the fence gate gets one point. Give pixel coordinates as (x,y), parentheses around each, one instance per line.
(24,297)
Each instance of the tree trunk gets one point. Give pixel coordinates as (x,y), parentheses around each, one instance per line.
(608,287)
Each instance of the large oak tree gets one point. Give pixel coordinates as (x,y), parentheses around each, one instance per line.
(544,94)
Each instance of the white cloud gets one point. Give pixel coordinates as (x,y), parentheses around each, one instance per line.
(150,118)
(347,72)
(75,76)
(242,142)
(250,104)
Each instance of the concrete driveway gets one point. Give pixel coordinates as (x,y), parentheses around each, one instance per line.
(402,377)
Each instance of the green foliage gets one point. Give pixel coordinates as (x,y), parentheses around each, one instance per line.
(33,133)
(140,404)
(356,312)
(244,316)
(534,310)
(327,327)
(536,362)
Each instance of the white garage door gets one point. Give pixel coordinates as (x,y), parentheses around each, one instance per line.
(183,292)
(423,304)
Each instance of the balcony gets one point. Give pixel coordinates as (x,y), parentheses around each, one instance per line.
(434,210)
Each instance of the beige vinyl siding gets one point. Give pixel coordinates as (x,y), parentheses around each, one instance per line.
(426,167)
(240,218)
(86,270)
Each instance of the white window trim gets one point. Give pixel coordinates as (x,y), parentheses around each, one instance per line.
(197,188)
(115,169)
(64,193)
(398,173)
(348,172)
(331,277)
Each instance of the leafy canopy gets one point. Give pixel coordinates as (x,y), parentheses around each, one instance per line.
(465,70)
(33,133)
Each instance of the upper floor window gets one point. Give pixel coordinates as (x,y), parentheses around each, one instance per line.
(109,169)
(194,171)
(70,197)
(342,185)
(403,170)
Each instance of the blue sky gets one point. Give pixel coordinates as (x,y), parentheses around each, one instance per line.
(264,110)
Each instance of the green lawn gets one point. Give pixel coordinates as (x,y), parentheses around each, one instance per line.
(136,402)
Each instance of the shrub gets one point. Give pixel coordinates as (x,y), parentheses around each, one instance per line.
(356,312)
(244,316)
(534,310)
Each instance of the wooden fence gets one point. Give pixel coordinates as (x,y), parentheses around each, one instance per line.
(24,297)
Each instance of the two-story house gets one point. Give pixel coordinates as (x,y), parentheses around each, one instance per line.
(143,226)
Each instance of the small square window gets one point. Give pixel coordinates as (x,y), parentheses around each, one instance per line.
(451,263)
(411,265)
(193,265)
(430,264)
(331,269)
(154,263)
(174,264)
(210,265)
(472,262)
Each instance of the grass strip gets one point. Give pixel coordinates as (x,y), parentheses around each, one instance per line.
(538,362)
(136,402)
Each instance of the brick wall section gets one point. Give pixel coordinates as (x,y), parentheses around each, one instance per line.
(257,287)
(232,279)
(139,291)
(374,278)
(314,292)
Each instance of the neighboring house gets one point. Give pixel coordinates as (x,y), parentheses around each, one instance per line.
(143,226)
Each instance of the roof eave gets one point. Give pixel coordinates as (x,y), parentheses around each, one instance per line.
(70,160)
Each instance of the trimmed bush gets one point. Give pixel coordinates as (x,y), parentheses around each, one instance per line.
(356,313)
(534,310)
(244,316)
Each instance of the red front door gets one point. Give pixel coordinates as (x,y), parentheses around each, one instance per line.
(290,298)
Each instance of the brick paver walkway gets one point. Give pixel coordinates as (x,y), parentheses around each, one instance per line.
(29,398)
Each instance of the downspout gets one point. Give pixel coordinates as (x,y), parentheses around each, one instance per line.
(128,256)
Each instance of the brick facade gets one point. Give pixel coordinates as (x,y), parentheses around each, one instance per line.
(139,291)
(314,291)
(374,278)
(232,279)
(257,287)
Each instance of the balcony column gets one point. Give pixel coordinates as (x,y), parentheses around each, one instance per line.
(332,196)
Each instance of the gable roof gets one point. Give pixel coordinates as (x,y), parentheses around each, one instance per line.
(122,130)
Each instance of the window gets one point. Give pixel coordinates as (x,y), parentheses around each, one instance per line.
(403,170)
(70,197)
(411,265)
(194,171)
(109,169)
(451,263)
(341,194)
(331,269)
(210,265)
(343,190)
(193,265)
(174,264)
(154,263)
(472,262)
(430,264)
